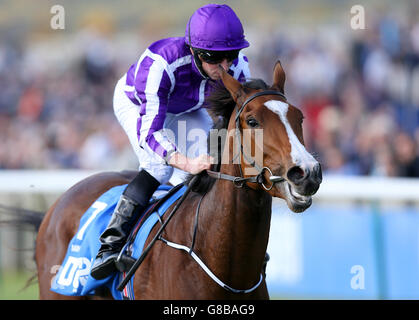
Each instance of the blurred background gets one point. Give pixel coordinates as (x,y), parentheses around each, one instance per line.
(358,89)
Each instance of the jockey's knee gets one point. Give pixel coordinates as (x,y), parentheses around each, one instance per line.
(161,173)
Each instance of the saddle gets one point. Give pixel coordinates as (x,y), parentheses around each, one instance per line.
(125,261)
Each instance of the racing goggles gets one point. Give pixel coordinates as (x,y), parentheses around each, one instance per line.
(215,57)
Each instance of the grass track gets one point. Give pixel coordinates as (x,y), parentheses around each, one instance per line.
(12,284)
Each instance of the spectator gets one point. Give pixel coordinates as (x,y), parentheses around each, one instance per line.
(407,157)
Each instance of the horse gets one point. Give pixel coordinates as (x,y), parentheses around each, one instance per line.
(233,201)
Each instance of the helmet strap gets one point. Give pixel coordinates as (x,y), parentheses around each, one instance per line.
(198,62)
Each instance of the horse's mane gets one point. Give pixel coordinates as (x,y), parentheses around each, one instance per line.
(220,106)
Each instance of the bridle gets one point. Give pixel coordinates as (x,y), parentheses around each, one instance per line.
(259,178)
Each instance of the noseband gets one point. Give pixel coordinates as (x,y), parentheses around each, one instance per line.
(241,180)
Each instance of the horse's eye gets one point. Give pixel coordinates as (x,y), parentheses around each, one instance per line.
(252,122)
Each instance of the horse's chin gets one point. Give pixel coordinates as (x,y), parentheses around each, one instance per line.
(295,201)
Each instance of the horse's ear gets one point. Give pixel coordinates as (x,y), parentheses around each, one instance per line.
(279,77)
(232,85)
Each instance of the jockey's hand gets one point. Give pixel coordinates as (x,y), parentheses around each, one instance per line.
(191,165)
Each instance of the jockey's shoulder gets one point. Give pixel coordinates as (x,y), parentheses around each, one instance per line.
(241,59)
(170,49)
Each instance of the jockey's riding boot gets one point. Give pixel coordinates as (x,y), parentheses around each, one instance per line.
(132,203)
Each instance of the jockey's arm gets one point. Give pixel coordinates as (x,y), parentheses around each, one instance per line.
(154,100)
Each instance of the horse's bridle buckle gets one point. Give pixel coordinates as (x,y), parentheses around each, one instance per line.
(239,182)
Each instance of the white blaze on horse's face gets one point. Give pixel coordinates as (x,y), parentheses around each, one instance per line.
(299,154)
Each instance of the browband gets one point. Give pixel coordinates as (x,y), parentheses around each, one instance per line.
(258,94)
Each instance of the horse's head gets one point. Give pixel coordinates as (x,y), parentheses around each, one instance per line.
(284,153)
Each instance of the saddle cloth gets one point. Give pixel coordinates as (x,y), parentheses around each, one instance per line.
(73,277)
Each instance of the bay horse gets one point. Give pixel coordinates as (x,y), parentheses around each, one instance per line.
(231,235)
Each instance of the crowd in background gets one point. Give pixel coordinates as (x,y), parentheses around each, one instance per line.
(359,94)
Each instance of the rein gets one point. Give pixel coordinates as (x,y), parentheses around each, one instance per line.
(137,263)
(240,181)
(198,260)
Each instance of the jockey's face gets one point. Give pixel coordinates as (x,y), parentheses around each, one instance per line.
(213,71)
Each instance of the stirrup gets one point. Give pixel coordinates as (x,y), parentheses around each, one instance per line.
(265,262)
(124,262)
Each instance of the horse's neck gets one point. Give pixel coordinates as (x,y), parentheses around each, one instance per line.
(236,222)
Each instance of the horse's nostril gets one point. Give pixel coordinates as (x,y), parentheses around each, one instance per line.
(296,174)
(317,173)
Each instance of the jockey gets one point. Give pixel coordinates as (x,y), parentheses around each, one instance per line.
(158,101)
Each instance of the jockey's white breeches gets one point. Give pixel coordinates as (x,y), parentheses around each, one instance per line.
(187,131)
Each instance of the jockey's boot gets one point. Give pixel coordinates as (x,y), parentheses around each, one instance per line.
(132,203)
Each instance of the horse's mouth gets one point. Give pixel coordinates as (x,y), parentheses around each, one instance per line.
(295,201)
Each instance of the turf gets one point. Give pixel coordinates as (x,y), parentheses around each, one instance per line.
(12,286)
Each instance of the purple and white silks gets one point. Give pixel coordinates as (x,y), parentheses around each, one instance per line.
(165,81)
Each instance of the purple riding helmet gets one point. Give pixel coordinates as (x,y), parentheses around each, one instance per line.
(214,32)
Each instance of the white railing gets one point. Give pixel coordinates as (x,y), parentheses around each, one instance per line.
(333,187)
(40,181)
